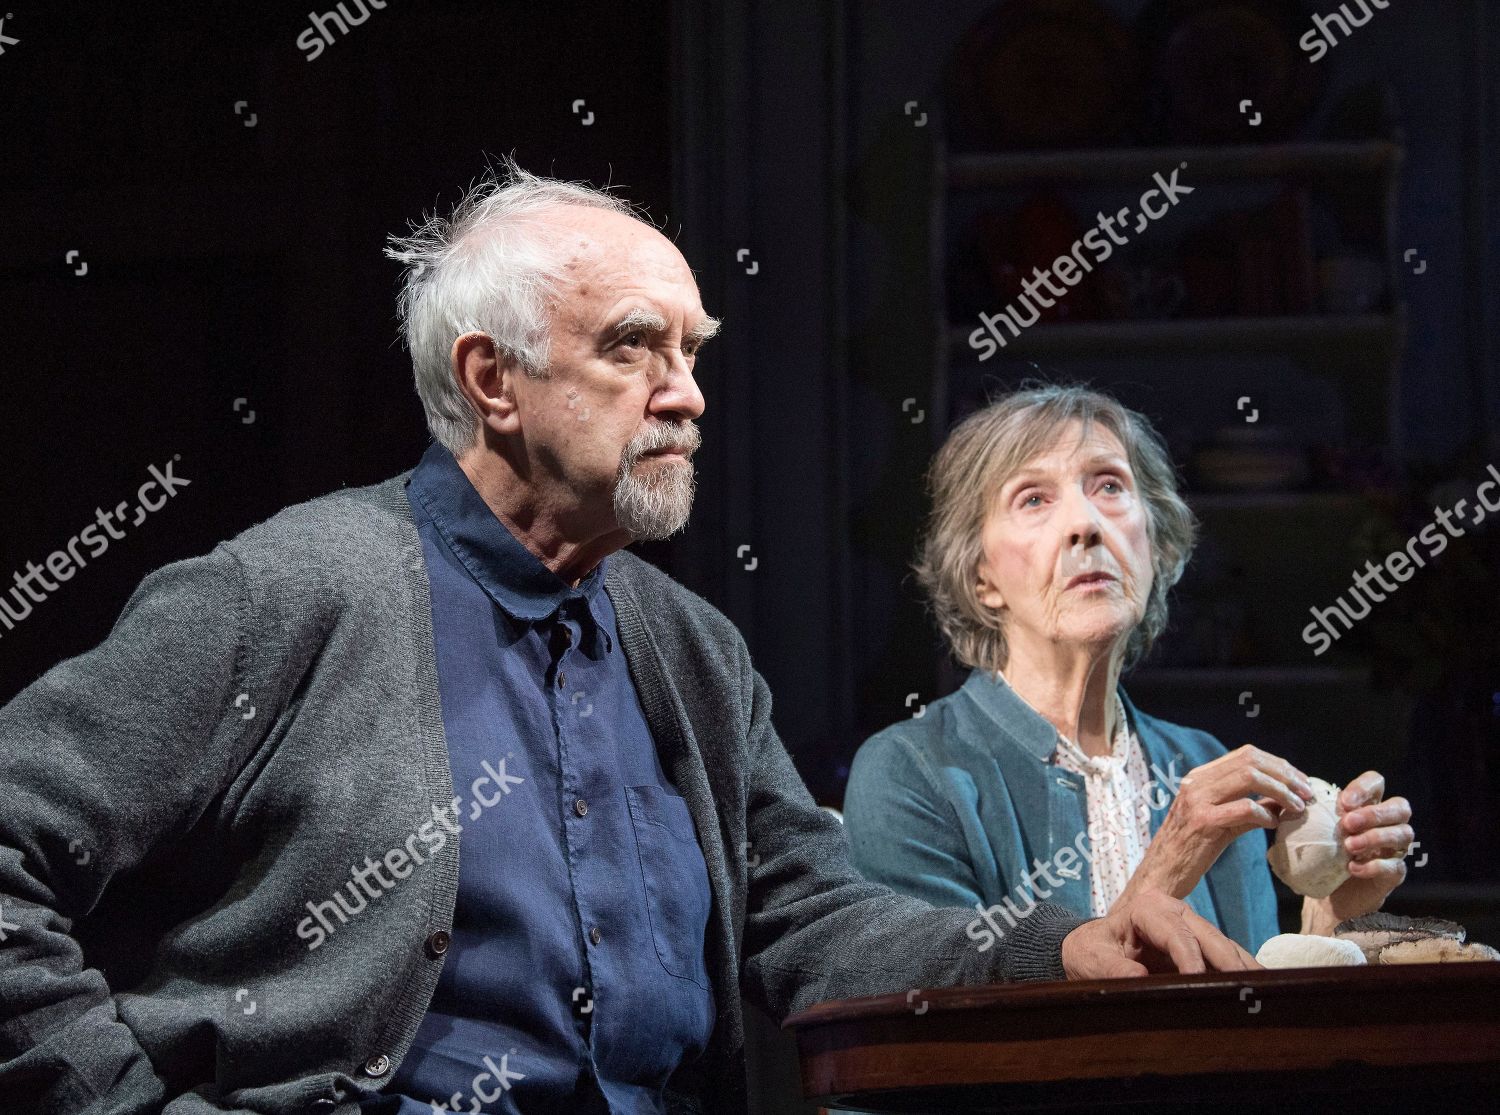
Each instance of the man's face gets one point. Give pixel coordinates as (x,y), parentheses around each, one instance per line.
(615,417)
(1067,550)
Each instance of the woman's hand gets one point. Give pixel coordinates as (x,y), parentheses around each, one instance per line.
(1378,836)
(1213,807)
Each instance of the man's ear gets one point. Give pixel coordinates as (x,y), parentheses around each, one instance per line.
(486,376)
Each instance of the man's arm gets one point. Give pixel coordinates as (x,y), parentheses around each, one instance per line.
(100,758)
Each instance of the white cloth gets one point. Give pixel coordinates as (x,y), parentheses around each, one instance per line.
(1119,813)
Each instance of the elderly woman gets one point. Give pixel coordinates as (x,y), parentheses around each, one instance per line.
(1056,533)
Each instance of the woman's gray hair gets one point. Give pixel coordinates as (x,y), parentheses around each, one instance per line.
(965,478)
(488,267)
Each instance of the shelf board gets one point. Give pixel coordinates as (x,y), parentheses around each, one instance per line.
(1347,335)
(1204,164)
(1210,502)
(1207,677)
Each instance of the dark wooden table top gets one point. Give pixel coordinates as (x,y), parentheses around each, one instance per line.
(1419,1037)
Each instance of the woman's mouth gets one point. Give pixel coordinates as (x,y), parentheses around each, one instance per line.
(1090,582)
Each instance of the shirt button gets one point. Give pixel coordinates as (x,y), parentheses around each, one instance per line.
(562,680)
(438,943)
(581,807)
(595,935)
(377,1065)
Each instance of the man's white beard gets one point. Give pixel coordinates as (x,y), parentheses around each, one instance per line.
(654,501)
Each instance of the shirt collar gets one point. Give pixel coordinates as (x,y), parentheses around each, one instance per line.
(1014,717)
(1119,747)
(509,573)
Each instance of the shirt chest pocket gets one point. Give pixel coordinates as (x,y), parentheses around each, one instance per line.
(675,878)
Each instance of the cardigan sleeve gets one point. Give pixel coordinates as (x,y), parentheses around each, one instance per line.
(815,930)
(1251,917)
(100,758)
(903,832)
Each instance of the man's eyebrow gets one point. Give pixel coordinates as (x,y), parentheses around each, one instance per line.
(704,330)
(638,318)
(652,322)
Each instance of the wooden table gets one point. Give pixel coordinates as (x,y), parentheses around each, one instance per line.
(1413,1038)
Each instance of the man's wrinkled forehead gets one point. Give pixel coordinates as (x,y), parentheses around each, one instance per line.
(600,245)
(611,268)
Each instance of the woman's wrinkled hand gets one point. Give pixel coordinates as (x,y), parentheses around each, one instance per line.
(1215,804)
(1377,834)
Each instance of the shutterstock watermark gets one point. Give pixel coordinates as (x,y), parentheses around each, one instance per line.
(1321,39)
(1074,265)
(400,861)
(502,1074)
(986,929)
(1321,633)
(33,587)
(318,38)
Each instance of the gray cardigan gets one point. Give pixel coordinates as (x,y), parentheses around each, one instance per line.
(263,718)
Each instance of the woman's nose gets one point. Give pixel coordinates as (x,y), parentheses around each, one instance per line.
(1080,519)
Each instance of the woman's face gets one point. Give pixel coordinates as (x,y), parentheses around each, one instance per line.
(1067,556)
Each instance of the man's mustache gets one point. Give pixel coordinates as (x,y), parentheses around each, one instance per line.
(683,437)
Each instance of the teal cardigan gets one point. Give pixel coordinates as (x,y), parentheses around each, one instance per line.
(952,806)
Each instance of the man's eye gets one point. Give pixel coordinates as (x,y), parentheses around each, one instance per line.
(633,340)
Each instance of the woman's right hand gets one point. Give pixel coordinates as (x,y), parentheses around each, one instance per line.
(1216,803)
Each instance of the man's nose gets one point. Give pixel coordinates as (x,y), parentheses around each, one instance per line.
(678,394)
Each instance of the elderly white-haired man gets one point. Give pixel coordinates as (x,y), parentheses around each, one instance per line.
(230,850)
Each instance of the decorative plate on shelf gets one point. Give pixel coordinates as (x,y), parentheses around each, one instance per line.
(1206,58)
(1044,73)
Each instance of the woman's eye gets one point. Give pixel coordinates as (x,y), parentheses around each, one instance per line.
(1033,500)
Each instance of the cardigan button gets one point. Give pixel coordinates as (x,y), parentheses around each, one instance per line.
(438,943)
(377,1065)
(323,1104)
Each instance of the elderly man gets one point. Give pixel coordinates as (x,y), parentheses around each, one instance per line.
(230,848)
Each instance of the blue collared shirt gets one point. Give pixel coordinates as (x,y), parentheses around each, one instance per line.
(575,976)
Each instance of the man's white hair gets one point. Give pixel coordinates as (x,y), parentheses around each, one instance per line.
(489,267)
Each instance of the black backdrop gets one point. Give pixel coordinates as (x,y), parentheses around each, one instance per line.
(230,262)
(226,261)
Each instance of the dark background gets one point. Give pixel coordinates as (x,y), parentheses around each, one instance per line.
(230,262)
